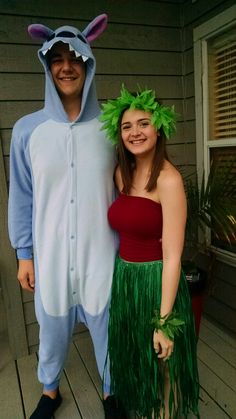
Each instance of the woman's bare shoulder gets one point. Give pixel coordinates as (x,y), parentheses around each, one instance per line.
(171,188)
(169,175)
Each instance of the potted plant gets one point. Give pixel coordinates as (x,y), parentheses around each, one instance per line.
(211,218)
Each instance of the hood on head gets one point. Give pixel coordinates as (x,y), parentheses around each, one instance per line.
(79,42)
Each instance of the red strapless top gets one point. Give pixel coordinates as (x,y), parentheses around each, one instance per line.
(138,221)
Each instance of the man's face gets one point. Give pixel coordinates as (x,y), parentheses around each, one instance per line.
(68,72)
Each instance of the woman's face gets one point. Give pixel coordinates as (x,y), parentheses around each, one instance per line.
(138,134)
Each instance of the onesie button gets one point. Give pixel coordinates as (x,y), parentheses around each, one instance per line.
(71,269)
(72,237)
(72,201)
(72,164)
(74,292)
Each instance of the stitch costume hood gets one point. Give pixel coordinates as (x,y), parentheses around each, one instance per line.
(79,43)
(61,187)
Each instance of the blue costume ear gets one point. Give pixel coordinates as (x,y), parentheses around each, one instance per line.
(95,28)
(38,31)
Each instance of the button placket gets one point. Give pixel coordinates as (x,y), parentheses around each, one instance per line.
(72,217)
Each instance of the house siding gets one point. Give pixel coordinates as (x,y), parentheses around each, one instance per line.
(220,302)
(149,44)
(141,45)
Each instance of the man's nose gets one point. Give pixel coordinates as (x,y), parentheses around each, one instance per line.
(66,65)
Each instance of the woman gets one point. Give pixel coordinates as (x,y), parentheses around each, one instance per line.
(152,343)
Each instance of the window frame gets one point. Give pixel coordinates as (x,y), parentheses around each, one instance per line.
(201,37)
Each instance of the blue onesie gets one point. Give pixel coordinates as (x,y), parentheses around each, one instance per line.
(61,185)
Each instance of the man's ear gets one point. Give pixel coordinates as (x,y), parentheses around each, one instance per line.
(38,31)
(95,28)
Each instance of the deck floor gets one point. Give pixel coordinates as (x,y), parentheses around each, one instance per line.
(81,385)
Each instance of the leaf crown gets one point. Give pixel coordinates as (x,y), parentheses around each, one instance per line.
(162,116)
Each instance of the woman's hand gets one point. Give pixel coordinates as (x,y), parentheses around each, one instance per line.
(162,345)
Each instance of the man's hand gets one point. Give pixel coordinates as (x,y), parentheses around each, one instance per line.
(26,274)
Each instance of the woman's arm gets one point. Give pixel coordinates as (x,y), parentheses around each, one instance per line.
(172,197)
(174,210)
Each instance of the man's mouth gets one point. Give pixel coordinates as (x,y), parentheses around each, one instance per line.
(67,78)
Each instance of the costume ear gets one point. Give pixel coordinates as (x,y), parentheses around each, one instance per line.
(95,28)
(36,30)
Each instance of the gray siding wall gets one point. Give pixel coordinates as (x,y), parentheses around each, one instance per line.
(220,304)
(142,44)
(146,42)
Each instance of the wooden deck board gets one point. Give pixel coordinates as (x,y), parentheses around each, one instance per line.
(81,385)
(222,369)
(219,346)
(227,338)
(10,397)
(85,393)
(217,390)
(30,387)
(69,408)
(216,363)
(85,348)
(208,408)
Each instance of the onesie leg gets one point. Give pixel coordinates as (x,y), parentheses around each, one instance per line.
(98,328)
(54,340)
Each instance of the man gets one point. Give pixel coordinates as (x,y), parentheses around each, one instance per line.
(61,172)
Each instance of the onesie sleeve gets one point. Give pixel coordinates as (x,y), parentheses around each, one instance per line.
(20,197)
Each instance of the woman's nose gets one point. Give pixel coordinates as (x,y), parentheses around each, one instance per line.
(135,130)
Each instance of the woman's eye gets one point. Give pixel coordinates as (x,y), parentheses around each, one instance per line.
(144,124)
(125,127)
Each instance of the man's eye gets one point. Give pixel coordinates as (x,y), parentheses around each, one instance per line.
(56,60)
(77,60)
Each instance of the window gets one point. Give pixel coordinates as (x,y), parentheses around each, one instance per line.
(222,86)
(215,93)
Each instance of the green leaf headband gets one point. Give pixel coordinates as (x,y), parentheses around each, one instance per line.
(162,116)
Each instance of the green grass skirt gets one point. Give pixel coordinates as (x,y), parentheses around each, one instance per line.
(137,375)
